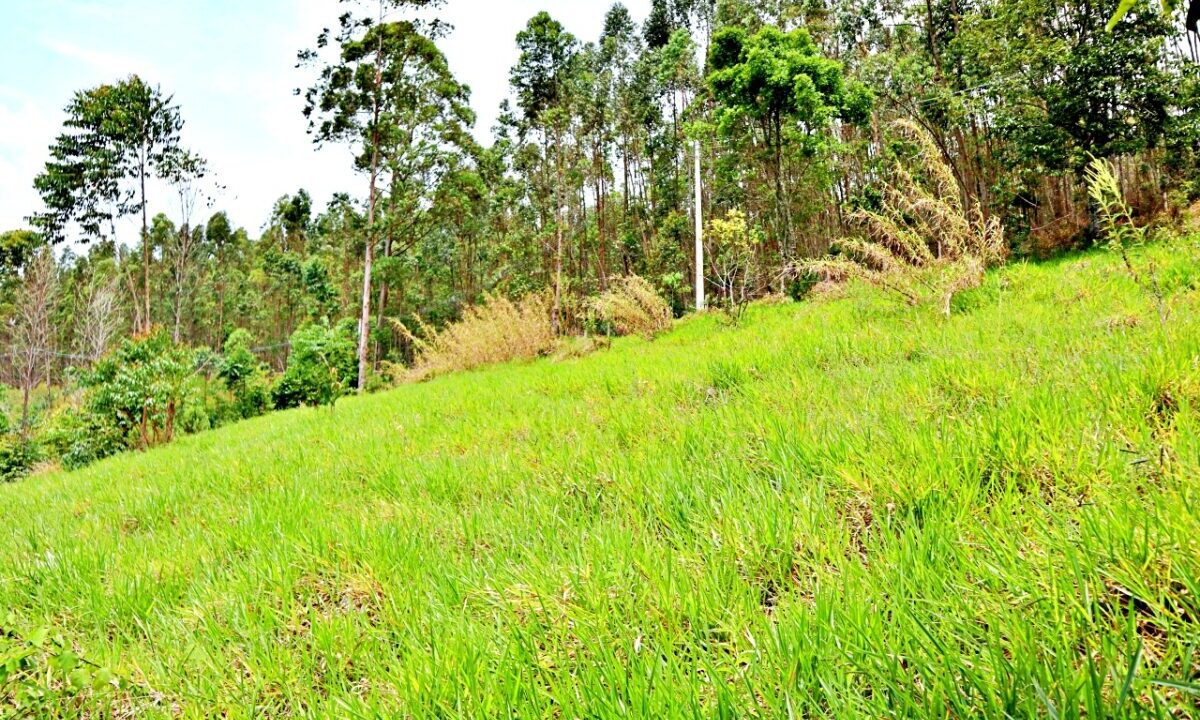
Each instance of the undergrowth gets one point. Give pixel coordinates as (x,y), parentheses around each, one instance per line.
(632,307)
(497,331)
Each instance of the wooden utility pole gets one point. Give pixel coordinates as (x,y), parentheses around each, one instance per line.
(699,233)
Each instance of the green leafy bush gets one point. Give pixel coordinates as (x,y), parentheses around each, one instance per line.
(18,455)
(137,394)
(140,395)
(322,366)
(79,438)
(245,376)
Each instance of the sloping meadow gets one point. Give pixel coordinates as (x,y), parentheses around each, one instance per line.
(839,508)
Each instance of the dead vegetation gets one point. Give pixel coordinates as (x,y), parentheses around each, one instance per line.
(632,307)
(500,330)
(923,241)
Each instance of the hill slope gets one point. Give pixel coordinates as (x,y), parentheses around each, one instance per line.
(840,508)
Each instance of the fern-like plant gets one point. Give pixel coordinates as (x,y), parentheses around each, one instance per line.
(924,242)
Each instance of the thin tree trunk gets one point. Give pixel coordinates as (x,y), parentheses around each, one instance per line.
(383,298)
(556,318)
(145,252)
(601,228)
(364,323)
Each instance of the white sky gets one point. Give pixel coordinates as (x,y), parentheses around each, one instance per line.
(230,65)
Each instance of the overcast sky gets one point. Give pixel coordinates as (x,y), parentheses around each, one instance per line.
(231,67)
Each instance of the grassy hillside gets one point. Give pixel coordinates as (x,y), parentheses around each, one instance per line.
(841,508)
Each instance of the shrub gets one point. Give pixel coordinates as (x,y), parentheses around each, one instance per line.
(139,389)
(733,259)
(632,307)
(497,331)
(18,455)
(322,366)
(244,376)
(78,438)
(923,242)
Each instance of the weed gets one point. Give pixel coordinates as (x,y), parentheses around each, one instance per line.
(923,242)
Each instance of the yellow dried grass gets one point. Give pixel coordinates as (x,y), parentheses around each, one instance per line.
(500,330)
(633,307)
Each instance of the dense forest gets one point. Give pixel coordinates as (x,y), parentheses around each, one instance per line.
(800,119)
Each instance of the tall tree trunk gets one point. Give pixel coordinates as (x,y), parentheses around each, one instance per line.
(785,230)
(383,297)
(145,251)
(220,334)
(180,279)
(601,225)
(25,390)
(364,322)
(556,317)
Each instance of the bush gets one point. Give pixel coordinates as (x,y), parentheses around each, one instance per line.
(733,247)
(138,390)
(78,438)
(632,307)
(244,376)
(497,331)
(322,366)
(18,455)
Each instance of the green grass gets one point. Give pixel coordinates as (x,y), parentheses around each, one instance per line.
(841,508)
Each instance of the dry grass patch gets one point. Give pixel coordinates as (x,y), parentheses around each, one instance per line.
(633,307)
(924,242)
(500,330)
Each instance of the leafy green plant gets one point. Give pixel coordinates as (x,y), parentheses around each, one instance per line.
(243,374)
(321,366)
(18,455)
(42,676)
(140,388)
(78,438)
(733,265)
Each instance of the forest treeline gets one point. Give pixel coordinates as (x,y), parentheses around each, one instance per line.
(120,340)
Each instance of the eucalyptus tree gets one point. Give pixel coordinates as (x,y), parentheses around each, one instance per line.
(97,321)
(32,329)
(619,46)
(116,138)
(357,99)
(427,132)
(184,171)
(219,243)
(292,217)
(541,80)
